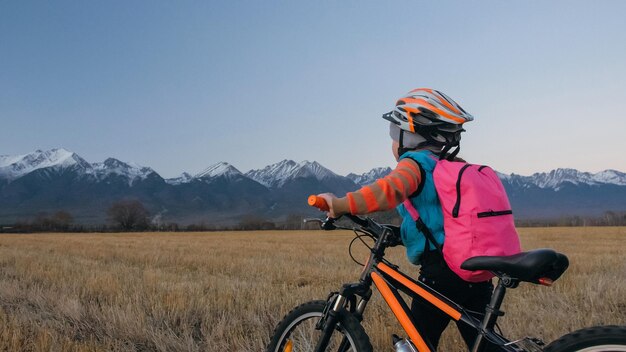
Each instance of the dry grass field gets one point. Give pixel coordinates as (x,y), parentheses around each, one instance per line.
(226,291)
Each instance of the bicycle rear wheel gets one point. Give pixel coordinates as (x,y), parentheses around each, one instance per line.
(595,339)
(297,332)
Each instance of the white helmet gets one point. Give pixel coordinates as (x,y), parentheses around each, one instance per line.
(431,114)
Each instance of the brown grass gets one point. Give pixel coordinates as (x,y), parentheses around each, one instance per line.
(226,291)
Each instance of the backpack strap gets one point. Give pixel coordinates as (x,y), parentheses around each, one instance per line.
(421,226)
(420,187)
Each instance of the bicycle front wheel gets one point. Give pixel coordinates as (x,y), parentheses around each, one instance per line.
(297,332)
(594,339)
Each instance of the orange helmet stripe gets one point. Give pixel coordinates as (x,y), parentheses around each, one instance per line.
(416,100)
(409,109)
(451,117)
(424,89)
(431,107)
(411,126)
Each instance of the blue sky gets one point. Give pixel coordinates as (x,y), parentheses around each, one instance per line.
(181,85)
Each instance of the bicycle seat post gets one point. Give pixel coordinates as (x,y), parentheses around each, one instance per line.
(492,311)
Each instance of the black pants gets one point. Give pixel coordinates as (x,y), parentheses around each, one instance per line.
(472,296)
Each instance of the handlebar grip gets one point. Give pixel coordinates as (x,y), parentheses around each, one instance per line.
(318,202)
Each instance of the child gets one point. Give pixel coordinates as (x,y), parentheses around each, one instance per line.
(424,124)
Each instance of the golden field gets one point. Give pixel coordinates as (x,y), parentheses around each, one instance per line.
(225,291)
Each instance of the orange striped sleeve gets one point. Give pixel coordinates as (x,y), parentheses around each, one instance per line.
(411,178)
(396,195)
(370,199)
(398,183)
(387,192)
(409,163)
(352,203)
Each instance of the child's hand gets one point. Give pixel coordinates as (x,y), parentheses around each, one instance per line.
(329,197)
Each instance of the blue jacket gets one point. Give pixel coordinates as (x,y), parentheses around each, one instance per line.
(427,204)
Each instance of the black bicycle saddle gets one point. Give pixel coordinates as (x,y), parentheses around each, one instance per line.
(525,266)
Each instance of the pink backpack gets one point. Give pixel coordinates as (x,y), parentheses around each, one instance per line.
(477,216)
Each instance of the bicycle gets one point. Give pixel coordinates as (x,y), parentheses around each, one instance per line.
(334,324)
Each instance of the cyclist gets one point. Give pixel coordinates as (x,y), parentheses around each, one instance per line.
(424,124)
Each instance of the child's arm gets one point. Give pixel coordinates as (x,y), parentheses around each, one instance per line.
(386,193)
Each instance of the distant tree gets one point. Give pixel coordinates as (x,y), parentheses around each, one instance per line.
(128,215)
(202,226)
(41,222)
(62,220)
(193,227)
(157,222)
(172,226)
(254,222)
(59,221)
(294,222)
(610,218)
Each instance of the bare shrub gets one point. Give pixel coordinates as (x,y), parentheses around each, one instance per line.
(128,215)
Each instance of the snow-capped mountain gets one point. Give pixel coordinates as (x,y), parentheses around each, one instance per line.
(183,178)
(59,159)
(276,175)
(13,167)
(113,167)
(370,176)
(219,169)
(545,180)
(271,176)
(612,177)
(44,181)
(556,178)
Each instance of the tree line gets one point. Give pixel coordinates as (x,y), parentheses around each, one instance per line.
(132,215)
(608,218)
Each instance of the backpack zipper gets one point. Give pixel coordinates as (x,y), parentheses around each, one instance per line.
(485,214)
(457,205)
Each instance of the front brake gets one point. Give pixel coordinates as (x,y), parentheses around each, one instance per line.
(329,303)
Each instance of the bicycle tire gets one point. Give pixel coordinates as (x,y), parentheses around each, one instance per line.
(594,339)
(311,312)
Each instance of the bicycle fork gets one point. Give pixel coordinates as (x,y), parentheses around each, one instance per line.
(330,321)
(332,316)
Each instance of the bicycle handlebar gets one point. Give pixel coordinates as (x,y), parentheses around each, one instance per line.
(321,204)
(318,202)
(367,224)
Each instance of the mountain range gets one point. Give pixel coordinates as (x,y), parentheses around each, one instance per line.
(58,179)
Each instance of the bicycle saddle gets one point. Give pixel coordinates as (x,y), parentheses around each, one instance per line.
(525,266)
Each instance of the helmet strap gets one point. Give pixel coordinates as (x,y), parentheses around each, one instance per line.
(444,152)
(401,149)
(454,153)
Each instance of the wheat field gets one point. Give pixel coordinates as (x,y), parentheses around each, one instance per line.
(225,291)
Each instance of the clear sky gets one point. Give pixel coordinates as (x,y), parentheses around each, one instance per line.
(179,85)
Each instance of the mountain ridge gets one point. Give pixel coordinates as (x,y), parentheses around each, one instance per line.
(61,179)
(273,175)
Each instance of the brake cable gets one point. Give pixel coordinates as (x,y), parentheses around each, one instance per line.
(359,234)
